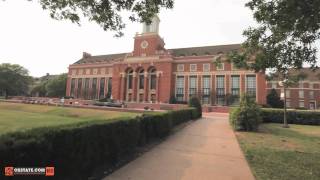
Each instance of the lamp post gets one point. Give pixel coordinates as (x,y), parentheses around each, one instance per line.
(285,122)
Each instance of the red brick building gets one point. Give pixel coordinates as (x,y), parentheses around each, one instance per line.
(152,73)
(304,94)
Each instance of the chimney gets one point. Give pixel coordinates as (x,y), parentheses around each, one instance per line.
(85,55)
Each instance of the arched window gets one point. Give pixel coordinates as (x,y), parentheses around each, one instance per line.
(141,79)
(153,78)
(129,78)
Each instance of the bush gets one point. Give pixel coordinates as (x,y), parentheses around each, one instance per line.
(172,100)
(195,102)
(247,116)
(76,150)
(304,117)
(274,100)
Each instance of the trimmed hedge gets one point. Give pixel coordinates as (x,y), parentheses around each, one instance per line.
(76,150)
(304,117)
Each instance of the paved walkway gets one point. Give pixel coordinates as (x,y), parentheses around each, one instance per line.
(204,150)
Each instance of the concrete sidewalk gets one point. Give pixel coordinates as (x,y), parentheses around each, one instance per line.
(206,149)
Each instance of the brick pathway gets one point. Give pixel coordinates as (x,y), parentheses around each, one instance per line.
(204,150)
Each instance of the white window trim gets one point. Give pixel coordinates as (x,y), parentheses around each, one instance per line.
(195,66)
(180,67)
(220,69)
(204,69)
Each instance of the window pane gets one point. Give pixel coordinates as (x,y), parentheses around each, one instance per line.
(79,88)
(251,85)
(193,85)
(180,88)
(94,88)
(73,84)
(141,81)
(220,90)
(101,88)
(109,88)
(153,81)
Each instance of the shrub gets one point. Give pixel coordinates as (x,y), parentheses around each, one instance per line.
(304,117)
(195,102)
(172,100)
(247,116)
(273,99)
(76,150)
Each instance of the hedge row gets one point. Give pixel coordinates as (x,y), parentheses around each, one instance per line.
(76,150)
(294,116)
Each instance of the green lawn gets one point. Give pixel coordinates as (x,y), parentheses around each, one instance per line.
(283,154)
(19,117)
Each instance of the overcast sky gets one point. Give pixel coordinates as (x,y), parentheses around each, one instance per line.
(29,37)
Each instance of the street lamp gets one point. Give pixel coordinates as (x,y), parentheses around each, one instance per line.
(284,84)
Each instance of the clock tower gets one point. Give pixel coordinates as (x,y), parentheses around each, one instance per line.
(148,42)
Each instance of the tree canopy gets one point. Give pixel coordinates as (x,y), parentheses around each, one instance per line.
(14,79)
(274,100)
(56,87)
(106,13)
(284,38)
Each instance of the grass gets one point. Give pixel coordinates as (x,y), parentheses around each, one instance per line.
(21,117)
(283,154)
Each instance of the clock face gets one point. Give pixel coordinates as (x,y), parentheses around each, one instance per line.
(144,44)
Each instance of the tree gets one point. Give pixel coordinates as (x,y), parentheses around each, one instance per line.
(56,87)
(106,13)
(284,38)
(14,79)
(273,99)
(246,117)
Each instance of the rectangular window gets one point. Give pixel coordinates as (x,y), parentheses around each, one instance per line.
(86,88)
(180,88)
(130,76)
(79,93)
(273,85)
(141,81)
(206,89)
(180,67)
(109,88)
(311,94)
(73,85)
(192,86)
(220,90)
(251,85)
(206,67)
(94,88)
(220,66)
(301,94)
(153,81)
(235,89)
(193,67)
(101,91)
(301,104)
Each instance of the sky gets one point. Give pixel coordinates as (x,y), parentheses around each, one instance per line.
(29,37)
